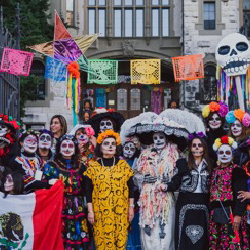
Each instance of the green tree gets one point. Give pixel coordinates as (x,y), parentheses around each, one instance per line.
(35,29)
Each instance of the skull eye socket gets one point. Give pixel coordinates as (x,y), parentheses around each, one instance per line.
(127,148)
(102,124)
(161,137)
(108,124)
(225,152)
(197,145)
(242,46)
(223,50)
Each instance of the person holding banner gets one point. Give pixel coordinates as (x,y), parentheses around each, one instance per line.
(66,167)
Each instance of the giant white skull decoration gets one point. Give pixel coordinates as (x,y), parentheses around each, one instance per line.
(233,54)
(3,130)
(106,124)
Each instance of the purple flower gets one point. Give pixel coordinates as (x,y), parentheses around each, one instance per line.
(223,109)
(200,134)
(191,137)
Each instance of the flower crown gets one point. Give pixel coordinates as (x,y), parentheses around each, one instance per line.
(9,120)
(193,135)
(106,134)
(240,115)
(220,107)
(224,140)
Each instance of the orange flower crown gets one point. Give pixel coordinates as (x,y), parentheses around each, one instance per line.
(106,134)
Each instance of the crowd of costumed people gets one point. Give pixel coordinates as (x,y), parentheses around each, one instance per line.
(167,181)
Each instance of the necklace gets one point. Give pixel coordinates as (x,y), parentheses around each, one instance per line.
(113,162)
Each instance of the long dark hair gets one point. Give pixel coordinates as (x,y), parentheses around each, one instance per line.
(98,152)
(62,122)
(191,160)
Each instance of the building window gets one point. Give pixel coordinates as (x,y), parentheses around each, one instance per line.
(209,88)
(209,15)
(128,18)
(70,12)
(97,17)
(135,99)
(38,69)
(245,29)
(160,17)
(122,99)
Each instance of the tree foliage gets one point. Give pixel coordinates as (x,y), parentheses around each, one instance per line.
(34,29)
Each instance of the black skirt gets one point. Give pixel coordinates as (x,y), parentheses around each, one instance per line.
(191,221)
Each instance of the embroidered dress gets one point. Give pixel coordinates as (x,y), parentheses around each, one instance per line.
(192,217)
(110,200)
(74,223)
(225,184)
(157,209)
(88,155)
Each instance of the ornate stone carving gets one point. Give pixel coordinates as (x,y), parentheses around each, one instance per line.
(128,47)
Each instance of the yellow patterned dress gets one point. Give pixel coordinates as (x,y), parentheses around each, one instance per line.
(110,200)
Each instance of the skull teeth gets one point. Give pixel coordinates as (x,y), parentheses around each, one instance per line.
(4,139)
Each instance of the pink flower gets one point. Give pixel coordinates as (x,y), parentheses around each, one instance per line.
(246,120)
(89,131)
(226,177)
(229,196)
(224,189)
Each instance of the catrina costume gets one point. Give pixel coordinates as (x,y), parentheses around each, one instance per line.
(109,186)
(157,209)
(226,182)
(74,222)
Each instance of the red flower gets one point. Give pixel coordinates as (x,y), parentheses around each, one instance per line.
(224,139)
(111,110)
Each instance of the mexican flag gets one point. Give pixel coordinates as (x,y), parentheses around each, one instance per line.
(32,221)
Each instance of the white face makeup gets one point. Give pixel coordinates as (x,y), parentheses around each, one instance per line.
(160,140)
(236,128)
(3,130)
(224,154)
(215,122)
(30,144)
(8,184)
(45,141)
(83,139)
(106,124)
(129,150)
(67,148)
(197,148)
(108,147)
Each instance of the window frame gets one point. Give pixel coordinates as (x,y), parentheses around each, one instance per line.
(214,20)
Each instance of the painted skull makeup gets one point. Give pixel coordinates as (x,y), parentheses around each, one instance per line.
(224,154)
(215,122)
(236,128)
(129,150)
(106,124)
(108,146)
(45,141)
(30,144)
(3,130)
(8,184)
(160,140)
(197,148)
(83,139)
(67,148)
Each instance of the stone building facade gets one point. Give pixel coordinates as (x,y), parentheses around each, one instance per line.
(137,29)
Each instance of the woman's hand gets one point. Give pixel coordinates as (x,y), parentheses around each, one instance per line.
(243,195)
(81,147)
(236,224)
(131,214)
(162,187)
(91,217)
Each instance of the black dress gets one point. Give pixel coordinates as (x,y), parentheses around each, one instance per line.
(192,217)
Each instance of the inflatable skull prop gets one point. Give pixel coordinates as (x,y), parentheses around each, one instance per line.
(233,54)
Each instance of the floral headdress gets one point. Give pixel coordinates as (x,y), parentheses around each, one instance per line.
(193,135)
(9,121)
(106,134)
(224,140)
(221,108)
(240,115)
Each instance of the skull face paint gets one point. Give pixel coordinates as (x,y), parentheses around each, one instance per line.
(236,128)
(197,148)
(67,148)
(129,150)
(45,141)
(215,122)
(233,54)
(8,184)
(30,144)
(81,136)
(160,140)
(106,124)
(224,154)
(108,147)
(3,130)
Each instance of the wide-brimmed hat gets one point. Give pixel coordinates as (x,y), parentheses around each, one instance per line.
(174,132)
(9,122)
(102,113)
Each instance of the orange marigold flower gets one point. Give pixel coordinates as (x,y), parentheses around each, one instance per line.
(238,113)
(214,107)
(106,134)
